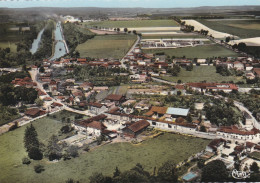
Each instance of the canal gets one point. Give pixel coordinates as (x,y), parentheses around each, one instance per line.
(36,42)
(60,45)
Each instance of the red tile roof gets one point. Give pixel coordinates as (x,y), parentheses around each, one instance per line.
(214,144)
(32,112)
(235,130)
(98,105)
(114,97)
(159,110)
(89,120)
(139,125)
(97,125)
(257,71)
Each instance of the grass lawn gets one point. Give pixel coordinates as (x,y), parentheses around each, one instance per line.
(255,155)
(107,46)
(134,23)
(196,52)
(240,28)
(201,73)
(151,153)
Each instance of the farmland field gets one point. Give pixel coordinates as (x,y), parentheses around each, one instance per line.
(133,23)
(103,159)
(240,28)
(196,52)
(201,73)
(10,45)
(106,46)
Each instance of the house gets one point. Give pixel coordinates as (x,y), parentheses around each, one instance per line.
(95,128)
(136,128)
(142,105)
(248,67)
(156,111)
(34,112)
(179,89)
(201,61)
(250,75)
(82,125)
(26,82)
(177,112)
(115,98)
(100,88)
(257,72)
(204,87)
(96,108)
(239,66)
(249,146)
(55,104)
(215,145)
(232,132)
(238,151)
(86,86)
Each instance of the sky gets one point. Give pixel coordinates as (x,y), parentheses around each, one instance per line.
(124,3)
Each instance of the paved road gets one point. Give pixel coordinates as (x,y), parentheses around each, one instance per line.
(131,49)
(34,73)
(163,81)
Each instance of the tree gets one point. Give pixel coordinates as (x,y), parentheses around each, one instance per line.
(189,67)
(26,161)
(116,172)
(39,102)
(41,69)
(242,47)
(53,148)
(189,118)
(71,181)
(86,147)
(201,163)
(203,129)
(167,172)
(73,151)
(136,174)
(254,167)
(227,39)
(31,143)
(178,93)
(99,178)
(38,168)
(214,171)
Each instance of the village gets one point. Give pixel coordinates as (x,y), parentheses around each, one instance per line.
(87,103)
(114,116)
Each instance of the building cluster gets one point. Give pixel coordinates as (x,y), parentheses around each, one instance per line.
(169,43)
(250,67)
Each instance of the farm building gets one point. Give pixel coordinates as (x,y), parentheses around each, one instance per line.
(136,128)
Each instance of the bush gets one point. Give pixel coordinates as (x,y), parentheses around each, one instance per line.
(66,129)
(38,168)
(26,161)
(73,151)
(86,147)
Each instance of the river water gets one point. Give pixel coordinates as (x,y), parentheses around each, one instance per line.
(36,42)
(60,48)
